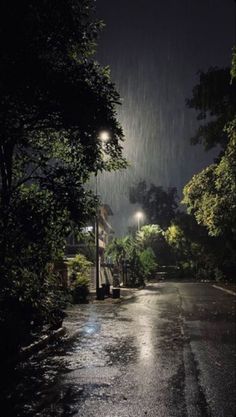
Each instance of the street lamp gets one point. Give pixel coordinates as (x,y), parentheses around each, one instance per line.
(97,241)
(103,137)
(139,216)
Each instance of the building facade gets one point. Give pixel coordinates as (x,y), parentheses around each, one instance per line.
(87,246)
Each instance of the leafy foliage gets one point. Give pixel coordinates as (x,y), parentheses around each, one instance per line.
(79,268)
(55,100)
(210,195)
(79,275)
(152,236)
(159,206)
(148,235)
(214,98)
(148,262)
(28,302)
(126,249)
(233,67)
(196,254)
(116,251)
(143,253)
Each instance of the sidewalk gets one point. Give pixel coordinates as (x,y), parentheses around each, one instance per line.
(68,330)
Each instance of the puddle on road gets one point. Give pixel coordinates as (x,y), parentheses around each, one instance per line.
(69,398)
(90,329)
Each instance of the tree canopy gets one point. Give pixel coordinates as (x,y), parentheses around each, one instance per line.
(55,100)
(129,252)
(158,204)
(210,196)
(214,98)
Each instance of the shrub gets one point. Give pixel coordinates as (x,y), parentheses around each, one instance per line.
(80,291)
(28,303)
(79,274)
(148,262)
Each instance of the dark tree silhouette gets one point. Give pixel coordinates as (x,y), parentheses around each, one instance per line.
(159,205)
(214,98)
(54,101)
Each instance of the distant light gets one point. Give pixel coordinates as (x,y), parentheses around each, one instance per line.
(87,229)
(104,136)
(139,215)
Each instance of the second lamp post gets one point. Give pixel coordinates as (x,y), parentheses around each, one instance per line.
(103,137)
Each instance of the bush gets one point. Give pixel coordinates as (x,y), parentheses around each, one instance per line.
(79,274)
(81,290)
(28,302)
(148,262)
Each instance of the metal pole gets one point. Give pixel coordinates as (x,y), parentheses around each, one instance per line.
(97,242)
(97,256)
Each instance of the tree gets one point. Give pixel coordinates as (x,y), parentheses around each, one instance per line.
(233,67)
(148,262)
(126,250)
(214,98)
(160,206)
(141,261)
(196,253)
(79,268)
(55,99)
(151,236)
(116,251)
(210,195)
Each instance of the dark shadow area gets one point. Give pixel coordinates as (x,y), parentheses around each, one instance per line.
(123,352)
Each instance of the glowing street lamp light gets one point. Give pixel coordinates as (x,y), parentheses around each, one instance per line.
(103,137)
(139,216)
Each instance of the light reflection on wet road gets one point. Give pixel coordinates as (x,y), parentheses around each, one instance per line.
(168,352)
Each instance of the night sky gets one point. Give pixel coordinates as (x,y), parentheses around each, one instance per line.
(154,49)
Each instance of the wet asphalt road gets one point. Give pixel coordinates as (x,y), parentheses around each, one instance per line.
(168,352)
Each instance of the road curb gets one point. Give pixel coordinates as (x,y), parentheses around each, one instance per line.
(26,351)
(41,343)
(224,289)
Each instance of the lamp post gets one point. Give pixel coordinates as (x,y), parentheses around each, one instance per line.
(103,137)
(139,217)
(97,242)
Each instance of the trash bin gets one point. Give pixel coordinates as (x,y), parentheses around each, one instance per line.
(116,293)
(101,292)
(116,279)
(107,290)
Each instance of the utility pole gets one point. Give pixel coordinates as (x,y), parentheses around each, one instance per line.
(97,265)
(104,136)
